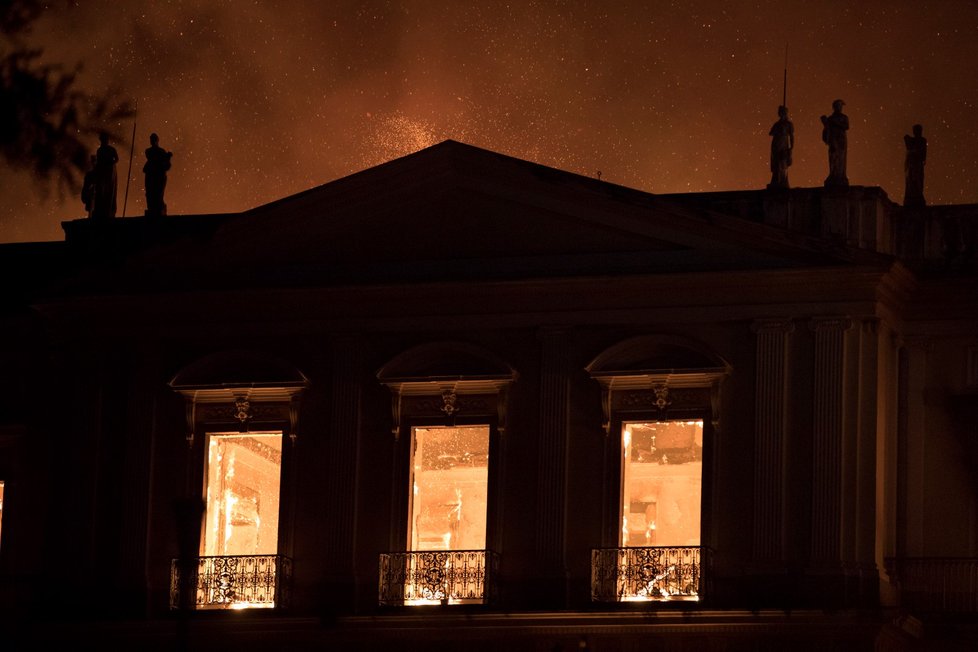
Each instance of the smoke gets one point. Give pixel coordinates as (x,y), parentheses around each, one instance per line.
(262,100)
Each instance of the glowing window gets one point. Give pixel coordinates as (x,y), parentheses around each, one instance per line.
(242,493)
(661,488)
(449,488)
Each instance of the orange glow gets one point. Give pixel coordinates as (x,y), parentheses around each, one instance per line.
(243,472)
(449,481)
(662,476)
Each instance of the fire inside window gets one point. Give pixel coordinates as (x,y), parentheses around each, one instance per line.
(447,508)
(449,482)
(242,497)
(661,490)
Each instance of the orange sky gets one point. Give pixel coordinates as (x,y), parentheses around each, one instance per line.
(261,100)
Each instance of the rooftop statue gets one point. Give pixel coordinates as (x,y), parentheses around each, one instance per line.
(105,181)
(913,194)
(155,168)
(88,188)
(834,128)
(782,142)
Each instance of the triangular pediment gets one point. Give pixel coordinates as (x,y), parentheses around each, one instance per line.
(454,211)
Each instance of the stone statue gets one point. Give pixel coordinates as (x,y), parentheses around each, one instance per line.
(106,182)
(782,142)
(155,168)
(913,194)
(88,188)
(834,129)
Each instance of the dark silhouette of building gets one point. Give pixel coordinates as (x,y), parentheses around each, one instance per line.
(461,399)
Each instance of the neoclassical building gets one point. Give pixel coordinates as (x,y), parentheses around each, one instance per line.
(461,399)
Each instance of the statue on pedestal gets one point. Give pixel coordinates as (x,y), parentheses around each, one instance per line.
(88,187)
(105,184)
(155,168)
(834,128)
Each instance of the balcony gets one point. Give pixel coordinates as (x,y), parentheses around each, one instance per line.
(230,582)
(648,574)
(437,577)
(946,585)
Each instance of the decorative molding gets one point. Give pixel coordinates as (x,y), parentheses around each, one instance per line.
(783,325)
(871,325)
(191,416)
(417,406)
(658,397)
(444,402)
(832,323)
(294,419)
(661,396)
(606,408)
(449,403)
(242,410)
(396,400)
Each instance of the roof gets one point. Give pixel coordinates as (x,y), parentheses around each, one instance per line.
(456,212)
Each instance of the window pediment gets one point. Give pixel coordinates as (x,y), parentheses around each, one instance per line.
(655,374)
(236,389)
(443,381)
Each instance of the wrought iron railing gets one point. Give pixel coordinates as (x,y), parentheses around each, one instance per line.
(231,582)
(437,577)
(648,574)
(936,584)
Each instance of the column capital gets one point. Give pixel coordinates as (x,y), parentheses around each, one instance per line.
(773,325)
(830,323)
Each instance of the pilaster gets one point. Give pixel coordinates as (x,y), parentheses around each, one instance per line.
(771,393)
(341,477)
(552,455)
(828,425)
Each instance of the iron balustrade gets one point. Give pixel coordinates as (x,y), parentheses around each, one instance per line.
(230,582)
(936,584)
(648,574)
(437,577)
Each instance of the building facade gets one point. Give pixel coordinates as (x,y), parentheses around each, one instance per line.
(463,399)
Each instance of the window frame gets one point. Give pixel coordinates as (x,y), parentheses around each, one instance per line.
(207,438)
(614,492)
(420,415)
(648,398)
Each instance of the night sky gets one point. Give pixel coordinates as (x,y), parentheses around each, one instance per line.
(259,100)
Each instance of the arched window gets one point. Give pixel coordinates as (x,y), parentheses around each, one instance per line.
(660,398)
(242,412)
(449,408)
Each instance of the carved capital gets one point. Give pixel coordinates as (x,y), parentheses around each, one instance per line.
(833,323)
(871,325)
(774,325)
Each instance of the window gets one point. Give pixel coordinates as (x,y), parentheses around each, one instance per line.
(233,548)
(1,512)
(448,498)
(662,479)
(239,567)
(660,399)
(659,555)
(449,412)
(448,488)
(242,494)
